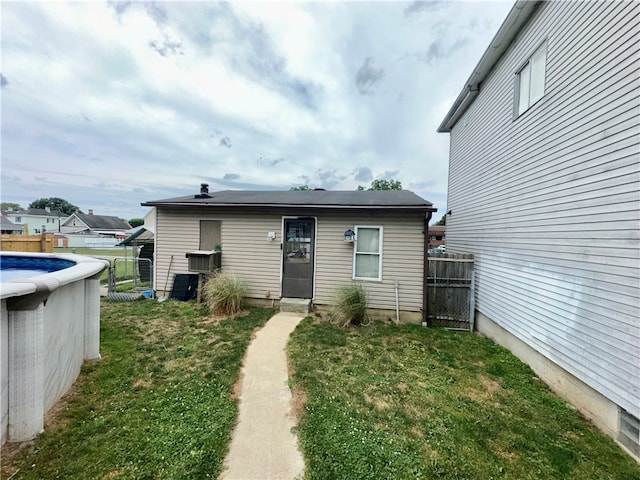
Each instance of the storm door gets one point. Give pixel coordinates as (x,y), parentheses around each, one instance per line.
(298,254)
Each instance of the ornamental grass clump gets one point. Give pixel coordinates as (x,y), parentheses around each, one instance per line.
(350,306)
(224,293)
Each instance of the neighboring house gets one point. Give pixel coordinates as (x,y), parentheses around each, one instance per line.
(545,140)
(8,227)
(150,220)
(291,244)
(437,235)
(90,224)
(35,220)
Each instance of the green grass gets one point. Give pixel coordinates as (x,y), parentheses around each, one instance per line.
(382,402)
(96,252)
(396,402)
(158,405)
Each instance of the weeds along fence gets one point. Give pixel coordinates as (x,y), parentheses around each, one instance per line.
(451,286)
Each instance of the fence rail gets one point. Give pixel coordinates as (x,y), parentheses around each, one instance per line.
(451,291)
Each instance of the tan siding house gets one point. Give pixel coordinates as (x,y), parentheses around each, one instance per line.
(292,244)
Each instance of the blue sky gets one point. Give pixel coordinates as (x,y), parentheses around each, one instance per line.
(110,104)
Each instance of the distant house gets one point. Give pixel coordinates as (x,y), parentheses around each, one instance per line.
(545,136)
(37,220)
(90,224)
(437,235)
(8,227)
(291,244)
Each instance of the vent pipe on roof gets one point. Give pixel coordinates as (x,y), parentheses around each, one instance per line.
(204,188)
(90,212)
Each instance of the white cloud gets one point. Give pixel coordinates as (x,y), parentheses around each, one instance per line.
(113,104)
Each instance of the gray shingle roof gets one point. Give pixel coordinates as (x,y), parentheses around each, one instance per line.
(324,199)
(8,225)
(103,222)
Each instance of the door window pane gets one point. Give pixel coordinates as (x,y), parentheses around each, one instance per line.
(298,244)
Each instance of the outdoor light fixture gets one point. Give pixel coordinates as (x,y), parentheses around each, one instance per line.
(271,236)
(349,236)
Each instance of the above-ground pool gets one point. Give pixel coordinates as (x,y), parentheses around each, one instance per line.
(13,267)
(49,325)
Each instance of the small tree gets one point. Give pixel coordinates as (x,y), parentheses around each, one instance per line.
(383,184)
(136,222)
(443,221)
(301,188)
(55,203)
(11,207)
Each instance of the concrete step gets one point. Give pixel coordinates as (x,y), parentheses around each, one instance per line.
(295,305)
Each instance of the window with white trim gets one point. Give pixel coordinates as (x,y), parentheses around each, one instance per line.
(530,80)
(367,253)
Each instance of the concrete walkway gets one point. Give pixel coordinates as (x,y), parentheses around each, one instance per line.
(263,445)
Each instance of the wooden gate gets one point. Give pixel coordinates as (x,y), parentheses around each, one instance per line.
(451,287)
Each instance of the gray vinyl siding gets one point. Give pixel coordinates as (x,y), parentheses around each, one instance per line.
(549,201)
(246,251)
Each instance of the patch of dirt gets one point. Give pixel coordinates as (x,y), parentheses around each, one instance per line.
(490,388)
(502,452)
(237,387)
(378,403)
(430,453)
(298,401)
(141,383)
(216,318)
(160,328)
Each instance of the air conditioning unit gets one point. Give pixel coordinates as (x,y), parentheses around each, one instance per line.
(204,261)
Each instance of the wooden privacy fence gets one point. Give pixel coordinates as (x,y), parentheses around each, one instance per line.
(27,243)
(450,285)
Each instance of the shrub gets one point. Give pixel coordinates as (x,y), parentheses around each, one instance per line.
(224,293)
(350,306)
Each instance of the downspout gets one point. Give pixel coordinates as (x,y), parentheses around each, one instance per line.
(395,284)
(425,269)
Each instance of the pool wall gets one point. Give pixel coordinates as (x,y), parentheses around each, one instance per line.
(49,325)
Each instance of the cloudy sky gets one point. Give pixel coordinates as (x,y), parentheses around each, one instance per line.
(110,104)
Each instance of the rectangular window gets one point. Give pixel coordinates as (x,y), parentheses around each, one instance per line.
(367,253)
(530,80)
(210,234)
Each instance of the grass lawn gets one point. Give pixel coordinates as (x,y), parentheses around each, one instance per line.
(158,406)
(97,252)
(383,402)
(396,402)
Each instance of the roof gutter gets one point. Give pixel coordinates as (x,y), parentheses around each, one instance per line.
(509,30)
(418,208)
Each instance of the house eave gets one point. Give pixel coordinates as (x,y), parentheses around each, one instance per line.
(295,207)
(509,30)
